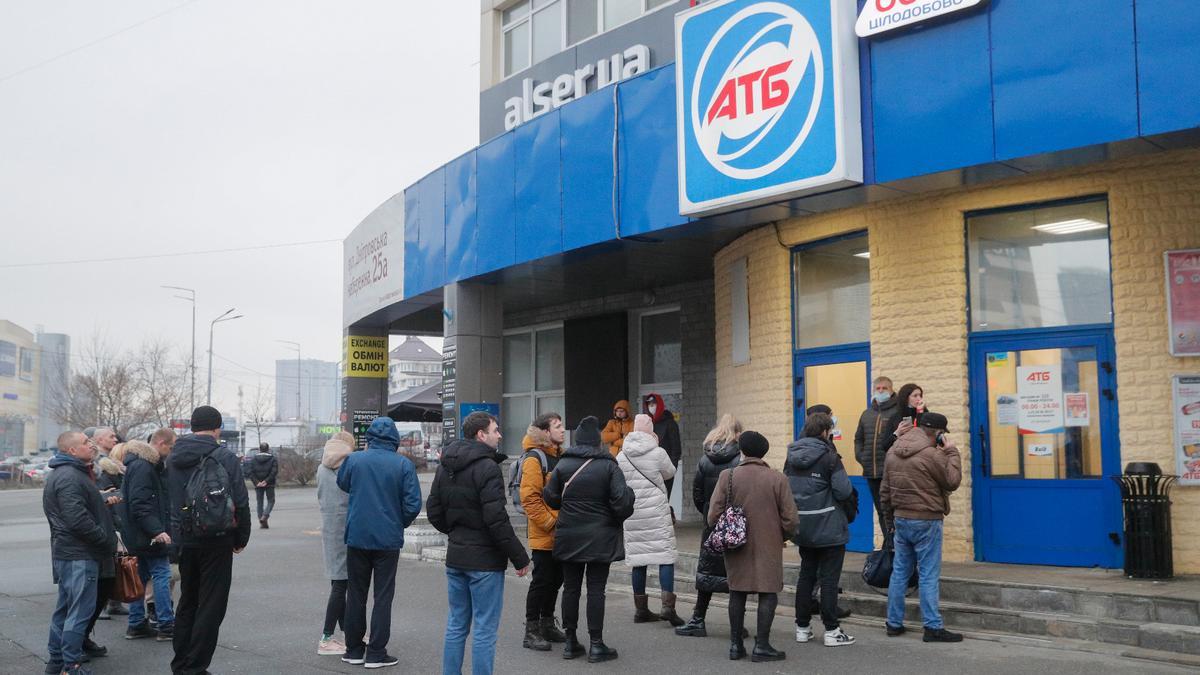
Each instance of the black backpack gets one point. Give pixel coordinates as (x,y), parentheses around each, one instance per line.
(208,509)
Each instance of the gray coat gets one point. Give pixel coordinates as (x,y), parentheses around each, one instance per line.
(334,506)
(817,479)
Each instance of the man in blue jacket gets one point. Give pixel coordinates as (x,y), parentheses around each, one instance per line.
(385,498)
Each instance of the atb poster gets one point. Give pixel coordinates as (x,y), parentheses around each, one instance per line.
(1185,398)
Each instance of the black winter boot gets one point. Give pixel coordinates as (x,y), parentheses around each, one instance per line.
(550,631)
(693,628)
(533,637)
(763,651)
(642,613)
(737,645)
(572,649)
(599,651)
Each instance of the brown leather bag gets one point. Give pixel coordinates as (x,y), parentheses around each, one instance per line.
(128,586)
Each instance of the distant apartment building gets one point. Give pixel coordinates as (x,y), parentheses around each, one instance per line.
(54,378)
(318,386)
(413,364)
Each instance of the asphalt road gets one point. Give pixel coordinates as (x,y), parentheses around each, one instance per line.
(278,600)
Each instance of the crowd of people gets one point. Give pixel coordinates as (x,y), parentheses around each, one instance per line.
(184,504)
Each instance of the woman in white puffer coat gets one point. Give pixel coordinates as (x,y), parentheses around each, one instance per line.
(650,531)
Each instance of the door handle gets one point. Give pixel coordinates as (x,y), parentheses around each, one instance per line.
(984,452)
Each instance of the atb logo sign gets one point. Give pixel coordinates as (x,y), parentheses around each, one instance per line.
(767,96)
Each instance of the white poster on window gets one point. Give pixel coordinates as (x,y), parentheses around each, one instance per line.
(1041,450)
(1040,399)
(1006,410)
(1076,407)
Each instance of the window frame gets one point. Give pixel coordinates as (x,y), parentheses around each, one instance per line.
(601,29)
(794,253)
(533,394)
(670,386)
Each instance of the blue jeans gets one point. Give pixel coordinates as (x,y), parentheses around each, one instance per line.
(158,569)
(918,542)
(476,598)
(76,601)
(666,579)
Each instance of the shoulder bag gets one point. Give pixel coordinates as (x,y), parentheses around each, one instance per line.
(729,532)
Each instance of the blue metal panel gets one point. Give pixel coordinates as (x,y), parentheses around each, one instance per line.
(412,234)
(587,171)
(538,179)
(1168,65)
(649,174)
(461,218)
(932,99)
(1063,74)
(431,244)
(495,239)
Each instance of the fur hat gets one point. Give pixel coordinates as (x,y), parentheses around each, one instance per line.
(753,444)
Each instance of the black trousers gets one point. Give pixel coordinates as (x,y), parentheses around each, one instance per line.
(363,566)
(702,600)
(104,590)
(819,566)
(335,608)
(597,579)
(885,524)
(767,602)
(543,589)
(258,496)
(205,575)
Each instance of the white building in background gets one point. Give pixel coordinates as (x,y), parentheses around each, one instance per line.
(54,376)
(413,364)
(318,384)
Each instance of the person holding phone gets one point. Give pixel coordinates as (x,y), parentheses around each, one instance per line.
(911,406)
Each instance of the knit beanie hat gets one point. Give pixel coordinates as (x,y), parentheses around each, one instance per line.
(206,418)
(753,444)
(643,423)
(588,432)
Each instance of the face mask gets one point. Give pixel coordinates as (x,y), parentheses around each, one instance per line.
(881,397)
(834,418)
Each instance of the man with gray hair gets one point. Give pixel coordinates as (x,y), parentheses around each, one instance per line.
(872,440)
(104,439)
(81,538)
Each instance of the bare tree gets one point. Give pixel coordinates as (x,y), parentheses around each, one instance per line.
(259,410)
(162,383)
(102,390)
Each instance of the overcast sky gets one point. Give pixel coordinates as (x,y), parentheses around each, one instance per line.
(219,124)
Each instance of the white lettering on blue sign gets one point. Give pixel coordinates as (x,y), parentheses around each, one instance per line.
(767,102)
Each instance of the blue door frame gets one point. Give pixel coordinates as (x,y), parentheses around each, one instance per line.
(1068,522)
(862,530)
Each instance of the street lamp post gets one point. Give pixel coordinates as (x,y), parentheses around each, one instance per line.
(211,326)
(296,345)
(192,355)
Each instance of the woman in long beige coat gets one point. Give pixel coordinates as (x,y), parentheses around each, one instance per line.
(756,567)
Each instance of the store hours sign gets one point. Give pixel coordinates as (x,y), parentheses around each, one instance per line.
(767,102)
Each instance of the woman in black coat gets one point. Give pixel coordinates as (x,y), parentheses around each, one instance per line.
(721,452)
(588,489)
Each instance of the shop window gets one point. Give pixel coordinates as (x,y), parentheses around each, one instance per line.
(534,31)
(1039,266)
(661,351)
(533,380)
(833,293)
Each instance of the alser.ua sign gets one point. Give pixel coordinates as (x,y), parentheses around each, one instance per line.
(767,102)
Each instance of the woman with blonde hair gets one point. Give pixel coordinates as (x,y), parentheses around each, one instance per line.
(334,506)
(721,452)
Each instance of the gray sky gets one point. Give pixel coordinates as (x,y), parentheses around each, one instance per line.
(220,124)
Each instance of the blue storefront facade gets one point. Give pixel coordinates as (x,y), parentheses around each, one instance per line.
(576,222)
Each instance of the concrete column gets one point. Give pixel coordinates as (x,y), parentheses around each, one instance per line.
(363,397)
(473,356)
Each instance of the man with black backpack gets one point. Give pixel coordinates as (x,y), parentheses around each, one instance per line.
(210,519)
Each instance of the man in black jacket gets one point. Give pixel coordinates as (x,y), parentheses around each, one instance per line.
(468,503)
(81,535)
(205,564)
(264,469)
(872,440)
(146,517)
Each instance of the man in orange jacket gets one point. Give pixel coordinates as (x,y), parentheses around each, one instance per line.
(618,427)
(546,435)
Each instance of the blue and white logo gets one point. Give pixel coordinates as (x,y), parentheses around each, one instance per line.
(767,102)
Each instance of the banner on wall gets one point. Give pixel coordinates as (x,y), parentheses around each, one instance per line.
(1183,301)
(1185,396)
(1040,399)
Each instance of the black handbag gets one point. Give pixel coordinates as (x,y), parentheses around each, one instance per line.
(877,568)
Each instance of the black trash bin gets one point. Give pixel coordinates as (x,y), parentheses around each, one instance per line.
(1145,496)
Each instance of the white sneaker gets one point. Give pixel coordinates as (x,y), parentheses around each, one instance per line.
(837,638)
(804,633)
(330,646)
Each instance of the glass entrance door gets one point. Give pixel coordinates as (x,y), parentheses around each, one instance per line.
(838,377)
(1044,411)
